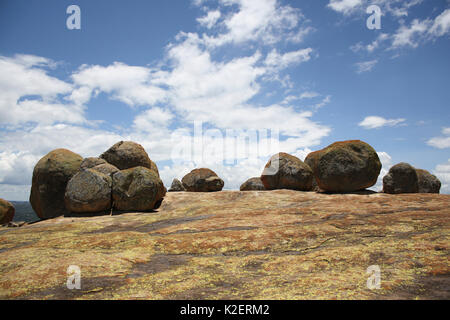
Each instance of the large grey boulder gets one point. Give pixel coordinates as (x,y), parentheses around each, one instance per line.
(127,154)
(137,189)
(252,184)
(345,166)
(88,191)
(50,177)
(401,178)
(202,180)
(284,171)
(428,183)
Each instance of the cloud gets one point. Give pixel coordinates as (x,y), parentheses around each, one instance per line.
(129,84)
(29,94)
(344,6)
(396,8)
(365,66)
(407,35)
(441,142)
(441,24)
(276,61)
(264,20)
(375,122)
(210,19)
(442,171)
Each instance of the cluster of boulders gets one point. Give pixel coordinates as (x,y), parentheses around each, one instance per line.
(125,178)
(342,167)
(122,178)
(404,178)
(7,211)
(198,180)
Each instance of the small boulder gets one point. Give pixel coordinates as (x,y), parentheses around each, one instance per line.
(202,180)
(176,186)
(345,166)
(284,171)
(401,178)
(137,189)
(88,191)
(428,183)
(127,154)
(50,177)
(92,162)
(253,184)
(7,212)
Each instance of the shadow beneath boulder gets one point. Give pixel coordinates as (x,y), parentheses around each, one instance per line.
(102,214)
(361,192)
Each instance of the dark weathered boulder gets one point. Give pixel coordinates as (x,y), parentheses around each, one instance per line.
(428,183)
(7,211)
(401,178)
(137,189)
(202,180)
(345,166)
(253,184)
(50,177)
(89,163)
(127,154)
(176,186)
(88,191)
(284,171)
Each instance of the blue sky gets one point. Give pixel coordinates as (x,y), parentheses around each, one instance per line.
(147,70)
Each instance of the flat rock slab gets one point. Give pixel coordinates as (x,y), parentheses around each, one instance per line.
(239,245)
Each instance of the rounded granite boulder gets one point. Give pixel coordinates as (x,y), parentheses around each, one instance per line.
(7,211)
(88,191)
(176,186)
(252,184)
(401,178)
(428,183)
(202,180)
(50,177)
(284,171)
(345,166)
(127,154)
(137,189)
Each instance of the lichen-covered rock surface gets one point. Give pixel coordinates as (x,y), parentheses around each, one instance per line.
(239,245)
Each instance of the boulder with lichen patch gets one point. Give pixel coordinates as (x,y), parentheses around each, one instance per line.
(7,211)
(252,184)
(50,177)
(401,178)
(284,171)
(345,166)
(89,191)
(428,183)
(202,180)
(137,189)
(127,154)
(176,186)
